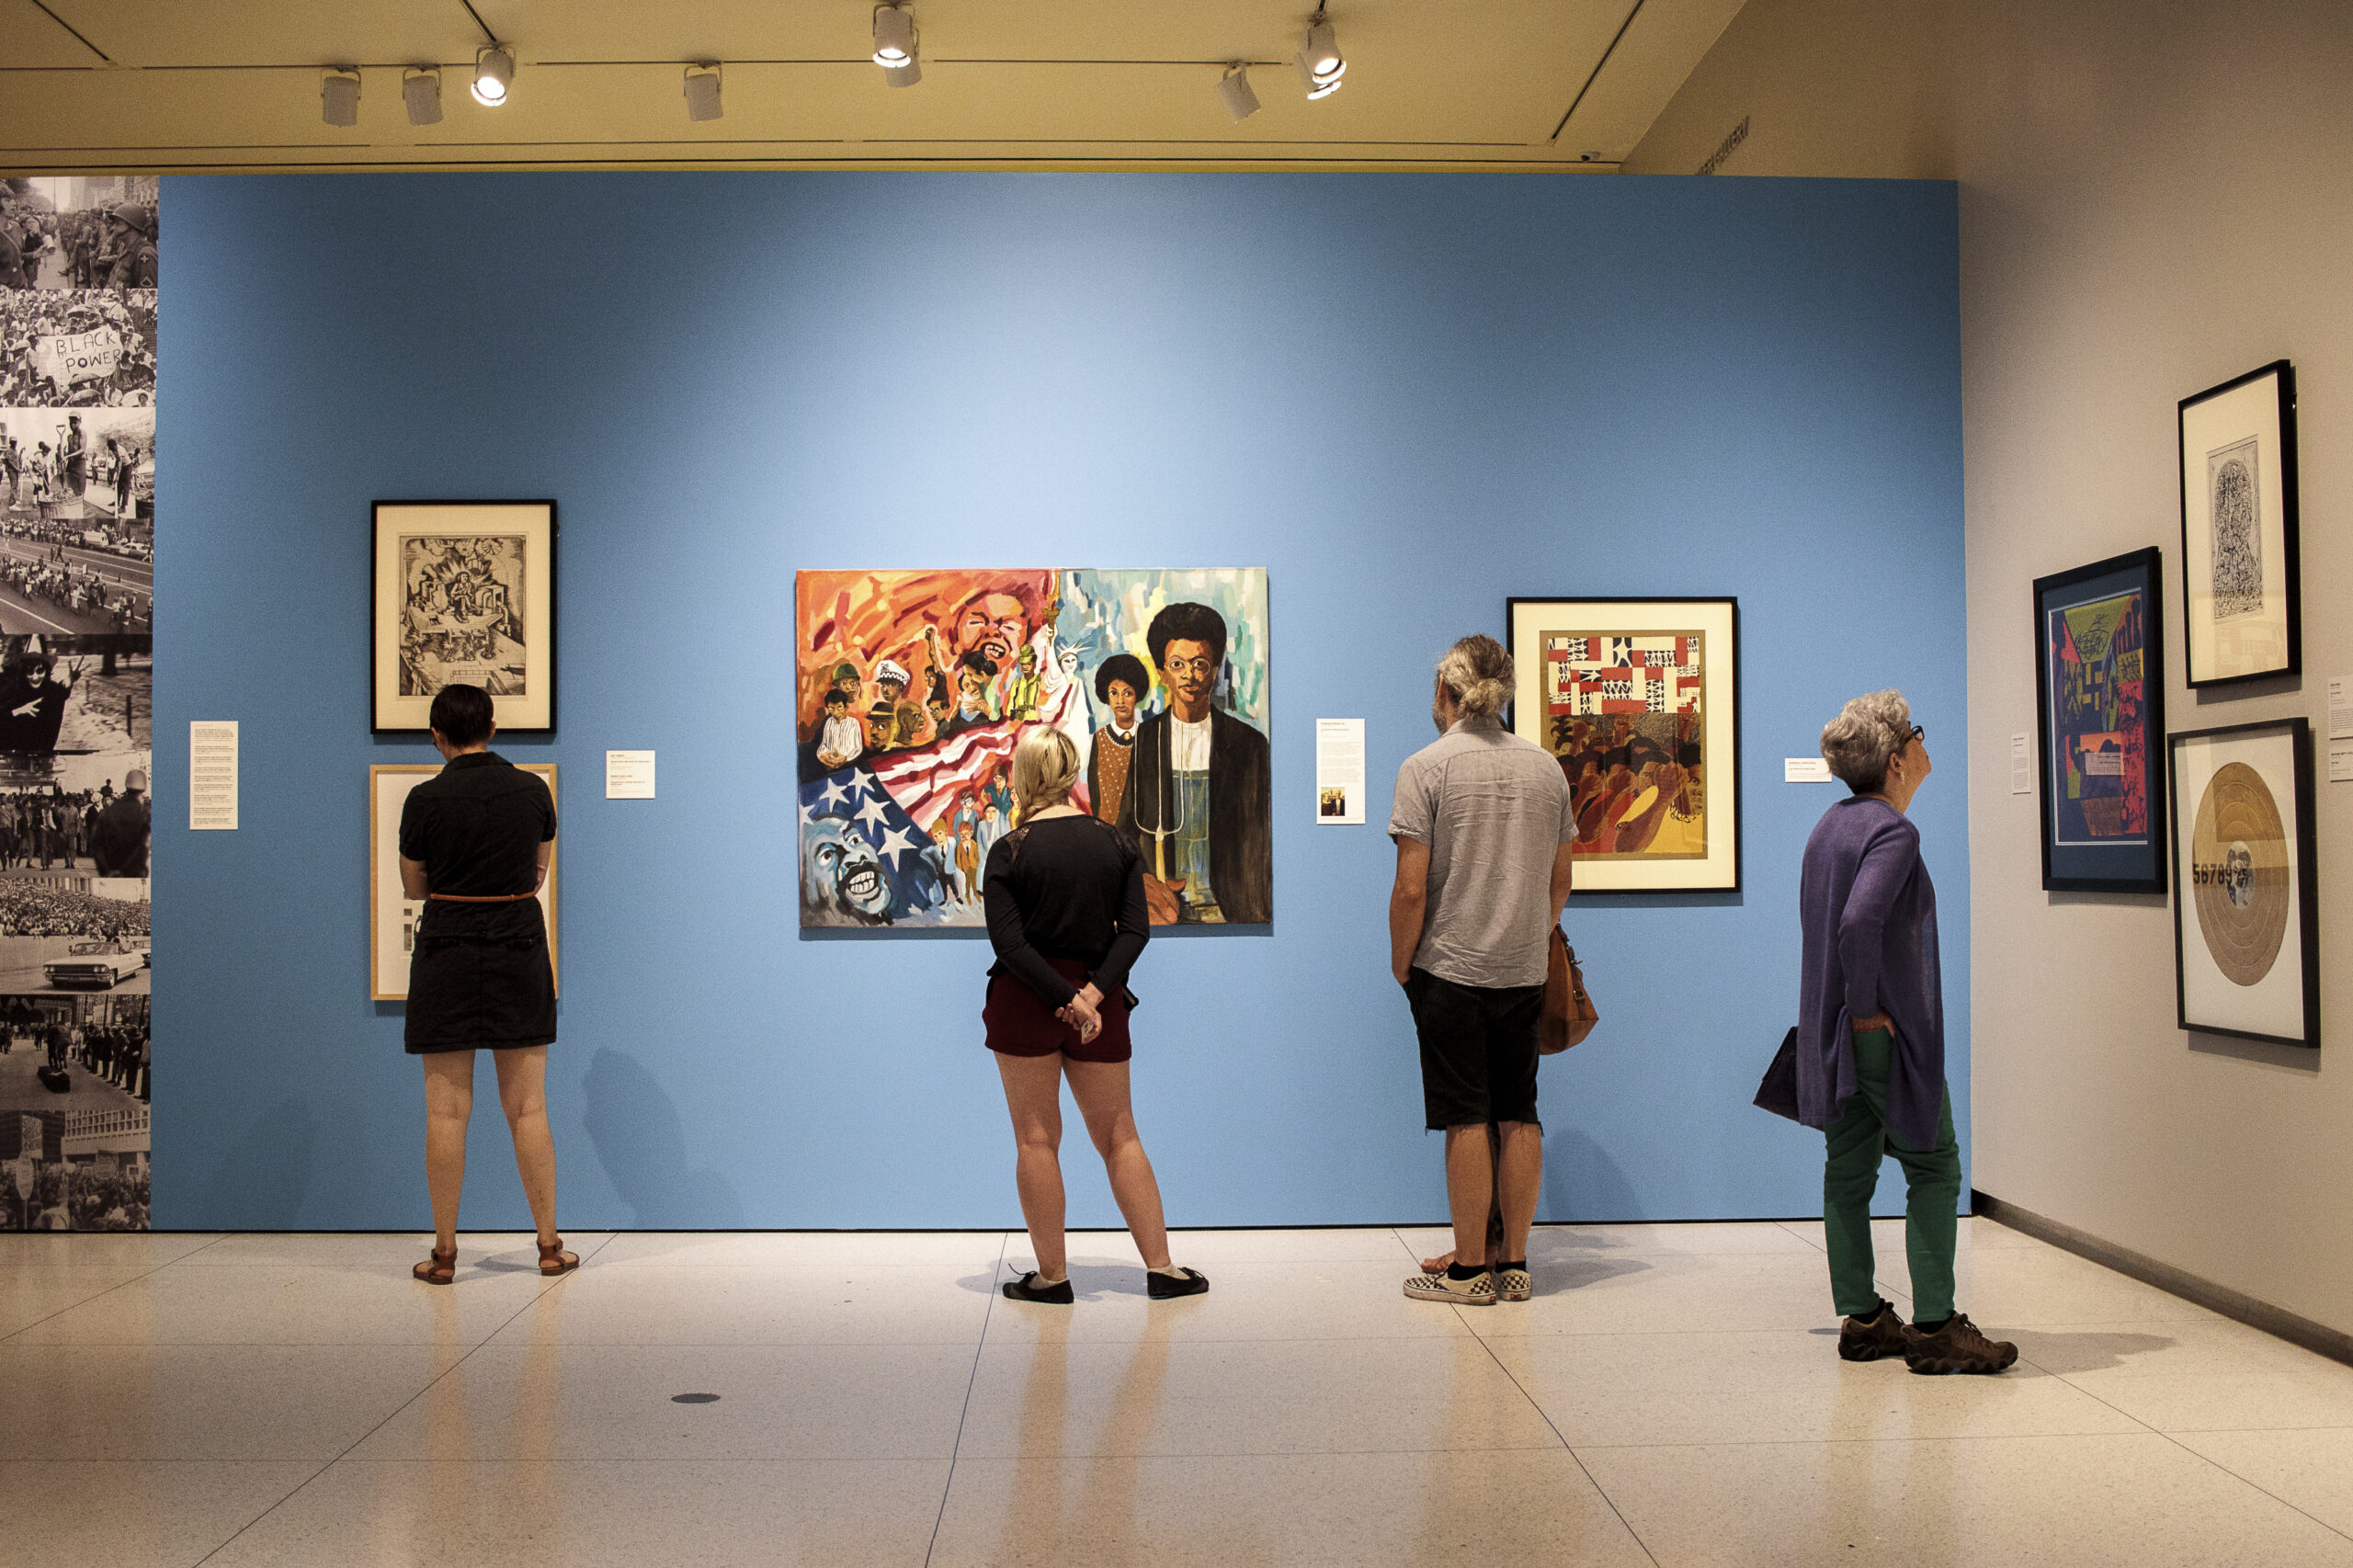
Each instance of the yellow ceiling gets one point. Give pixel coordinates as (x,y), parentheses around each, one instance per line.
(233,84)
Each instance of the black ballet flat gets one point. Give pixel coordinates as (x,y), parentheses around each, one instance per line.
(1159,1287)
(1024,1289)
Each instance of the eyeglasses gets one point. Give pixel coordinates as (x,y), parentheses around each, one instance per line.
(1918,735)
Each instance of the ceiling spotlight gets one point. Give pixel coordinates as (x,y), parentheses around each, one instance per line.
(339,95)
(421,90)
(1233,88)
(702,91)
(1320,61)
(894,37)
(494,72)
(906,75)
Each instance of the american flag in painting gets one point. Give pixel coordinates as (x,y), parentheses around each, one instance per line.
(1595,673)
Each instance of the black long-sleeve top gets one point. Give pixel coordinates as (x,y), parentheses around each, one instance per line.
(1072,887)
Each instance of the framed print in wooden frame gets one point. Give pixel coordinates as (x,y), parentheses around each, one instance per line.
(2246,922)
(392,915)
(2239,602)
(1639,702)
(2099,704)
(464,593)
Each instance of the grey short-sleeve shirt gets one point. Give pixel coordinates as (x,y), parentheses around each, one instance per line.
(1494,811)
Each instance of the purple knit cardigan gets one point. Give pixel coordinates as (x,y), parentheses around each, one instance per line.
(1868,912)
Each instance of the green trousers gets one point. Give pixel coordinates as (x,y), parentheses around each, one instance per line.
(1859,1140)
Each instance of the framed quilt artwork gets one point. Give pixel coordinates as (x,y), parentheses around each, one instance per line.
(391,913)
(1639,700)
(2246,933)
(464,595)
(2099,704)
(2239,602)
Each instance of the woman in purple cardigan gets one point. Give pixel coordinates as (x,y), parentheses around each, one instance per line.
(1870,1054)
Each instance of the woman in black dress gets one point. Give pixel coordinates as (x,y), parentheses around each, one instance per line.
(1065,897)
(476,841)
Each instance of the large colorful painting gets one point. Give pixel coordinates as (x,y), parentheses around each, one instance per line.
(2100,697)
(2246,935)
(1637,699)
(913,686)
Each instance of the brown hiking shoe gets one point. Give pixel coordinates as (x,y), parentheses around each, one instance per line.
(1957,1347)
(1867,1339)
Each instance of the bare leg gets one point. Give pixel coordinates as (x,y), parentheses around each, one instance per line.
(1470,1186)
(1520,1176)
(1101,1090)
(449,1104)
(1493,1250)
(523,1095)
(1033,1093)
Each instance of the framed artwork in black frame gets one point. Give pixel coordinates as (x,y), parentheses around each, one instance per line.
(2100,707)
(1639,699)
(463,592)
(2246,921)
(2241,615)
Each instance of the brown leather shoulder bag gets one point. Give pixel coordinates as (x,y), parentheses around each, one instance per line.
(1569,1014)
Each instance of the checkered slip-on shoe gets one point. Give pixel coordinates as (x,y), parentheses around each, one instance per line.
(1513,1285)
(1477,1292)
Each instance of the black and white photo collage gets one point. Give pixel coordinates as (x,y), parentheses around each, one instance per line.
(77,616)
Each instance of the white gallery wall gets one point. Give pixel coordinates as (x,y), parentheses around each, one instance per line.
(2155,196)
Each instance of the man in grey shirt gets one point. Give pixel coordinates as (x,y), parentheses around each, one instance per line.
(1483,826)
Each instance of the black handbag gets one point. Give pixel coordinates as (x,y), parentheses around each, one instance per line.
(1778,1092)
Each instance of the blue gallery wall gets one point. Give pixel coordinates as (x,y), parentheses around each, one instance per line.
(1405,396)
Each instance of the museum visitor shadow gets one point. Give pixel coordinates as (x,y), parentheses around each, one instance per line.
(1583,1188)
(640,1141)
(2063,1355)
(265,1175)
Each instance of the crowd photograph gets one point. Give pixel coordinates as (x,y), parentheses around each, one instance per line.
(78,350)
(79,232)
(31,907)
(74,1113)
(103,831)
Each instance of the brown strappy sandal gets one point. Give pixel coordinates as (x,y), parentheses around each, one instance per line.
(553,1259)
(441,1269)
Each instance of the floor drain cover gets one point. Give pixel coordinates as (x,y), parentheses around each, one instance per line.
(694,1399)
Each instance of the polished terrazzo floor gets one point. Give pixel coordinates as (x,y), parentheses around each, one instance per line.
(1671,1396)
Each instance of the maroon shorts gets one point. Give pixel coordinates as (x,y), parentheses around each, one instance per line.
(1020,1024)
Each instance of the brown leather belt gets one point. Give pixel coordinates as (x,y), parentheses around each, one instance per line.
(480,898)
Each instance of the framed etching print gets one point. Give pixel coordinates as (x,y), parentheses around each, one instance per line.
(2239,602)
(2246,925)
(391,913)
(2100,703)
(465,595)
(1639,700)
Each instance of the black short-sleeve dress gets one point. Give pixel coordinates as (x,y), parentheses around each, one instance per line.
(481,975)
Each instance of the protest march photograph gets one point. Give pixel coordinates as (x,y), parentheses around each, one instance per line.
(77,520)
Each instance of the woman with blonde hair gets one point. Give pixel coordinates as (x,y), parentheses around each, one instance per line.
(1064,898)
